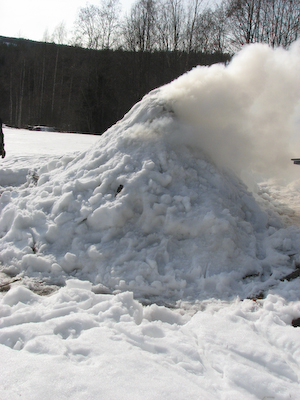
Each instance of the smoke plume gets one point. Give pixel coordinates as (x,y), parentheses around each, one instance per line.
(246,114)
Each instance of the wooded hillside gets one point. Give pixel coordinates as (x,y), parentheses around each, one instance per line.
(77,89)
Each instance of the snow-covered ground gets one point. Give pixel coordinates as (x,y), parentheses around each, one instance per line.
(150,262)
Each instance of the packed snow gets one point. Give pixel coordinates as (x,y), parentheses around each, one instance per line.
(160,260)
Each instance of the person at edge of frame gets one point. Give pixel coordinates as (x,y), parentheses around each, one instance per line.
(2,151)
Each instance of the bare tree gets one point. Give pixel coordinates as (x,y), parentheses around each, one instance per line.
(206,28)
(139,28)
(109,15)
(60,34)
(46,36)
(275,22)
(87,27)
(177,17)
(21,97)
(97,27)
(193,14)
(281,22)
(245,17)
(220,37)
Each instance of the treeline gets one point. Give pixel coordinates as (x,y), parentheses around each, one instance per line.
(186,25)
(78,89)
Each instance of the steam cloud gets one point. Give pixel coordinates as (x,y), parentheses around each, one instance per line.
(245,114)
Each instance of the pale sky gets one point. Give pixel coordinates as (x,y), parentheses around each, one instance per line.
(31,18)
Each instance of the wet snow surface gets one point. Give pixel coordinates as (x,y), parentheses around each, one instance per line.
(139,265)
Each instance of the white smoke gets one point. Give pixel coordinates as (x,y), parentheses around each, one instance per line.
(244,114)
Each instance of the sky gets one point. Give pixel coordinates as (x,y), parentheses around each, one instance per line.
(30,19)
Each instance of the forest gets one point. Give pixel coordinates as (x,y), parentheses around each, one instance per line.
(88,82)
(75,89)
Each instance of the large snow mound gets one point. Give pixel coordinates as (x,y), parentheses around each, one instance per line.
(152,207)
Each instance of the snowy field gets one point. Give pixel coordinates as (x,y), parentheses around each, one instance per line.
(160,260)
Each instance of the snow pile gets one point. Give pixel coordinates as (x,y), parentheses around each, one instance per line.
(150,208)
